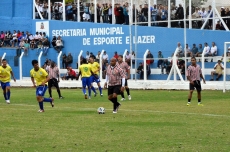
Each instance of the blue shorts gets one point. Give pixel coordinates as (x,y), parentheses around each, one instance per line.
(86,82)
(41,90)
(4,85)
(94,78)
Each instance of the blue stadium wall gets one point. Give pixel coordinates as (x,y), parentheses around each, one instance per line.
(17,15)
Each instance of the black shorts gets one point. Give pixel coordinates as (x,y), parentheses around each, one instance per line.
(196,85)
(114,89)
(126,82)
(53,82)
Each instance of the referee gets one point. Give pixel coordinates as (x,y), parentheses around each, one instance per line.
(114,74)
(54,79)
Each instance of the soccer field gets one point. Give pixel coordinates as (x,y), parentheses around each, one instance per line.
(154,120)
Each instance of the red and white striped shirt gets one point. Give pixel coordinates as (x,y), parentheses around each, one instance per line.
(114,75)
(125,67)
(53,72)
(194,72)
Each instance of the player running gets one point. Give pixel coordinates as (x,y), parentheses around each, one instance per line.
(41,77)
(85,72)
(126,69)
(5,77)
(95,76)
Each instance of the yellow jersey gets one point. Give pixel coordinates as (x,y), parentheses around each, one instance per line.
(85,70)
(95,67)
(39,75)
(5,74)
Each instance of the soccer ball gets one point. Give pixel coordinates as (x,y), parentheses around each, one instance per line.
(101,110)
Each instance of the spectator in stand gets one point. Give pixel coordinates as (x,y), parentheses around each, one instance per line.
(194,51)
(200,51)
(8,37)
(149,58)
(116,55)
(59,44)
(227,14)
(120,14)
(110,13)
(154,13)
(69,60)
(160,59)
(180,15)
(91,9)
(196,15)
(99,13)
(134,13)
(206,50)
(179,50)
(222,13)
(39,47)
(144,11)
(14,39)
(211,16)
(219,67)
(26,47)
(187,50)
(74,12)
(104,69)
(98,57)
(133,57)
(71,74)
(165,65)
(126,13)
(81,11)
(2,36)
(213,51)
(105,13)
(218,25)
(128,57)
(46,45)
(140,70)
(87,56)
(105,57)
(53,42)
(69,11)
(64,61)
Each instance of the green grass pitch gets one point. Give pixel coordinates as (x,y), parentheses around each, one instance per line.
(154,120)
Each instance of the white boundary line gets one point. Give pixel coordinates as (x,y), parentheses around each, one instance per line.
(128,110)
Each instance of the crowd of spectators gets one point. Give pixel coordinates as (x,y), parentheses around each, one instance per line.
(158,12)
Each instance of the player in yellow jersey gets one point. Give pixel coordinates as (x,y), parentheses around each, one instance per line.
(95,76)
(85,72)
(5,77)
(40,76)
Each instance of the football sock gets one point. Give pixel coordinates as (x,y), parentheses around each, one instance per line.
(199,100)
(89,91)
(5,96)
(127,90)
(93,89)
(50,92)
(189,100)
(100,89)
(122,95)
(59,92)
(115,103)
(41,105)
(83,90)
(8,95)
(47,99)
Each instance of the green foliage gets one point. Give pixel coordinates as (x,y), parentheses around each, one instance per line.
(68,1)
(154,120)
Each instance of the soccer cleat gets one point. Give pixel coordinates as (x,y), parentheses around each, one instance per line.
(117,107)
(40,110)
(101,95)
(61,97)
(95,94)
(86,97)
(122,99)
(8,101)
(129,97)
(200,104)
(114,112)
(89,97)
(188,104)
(52,102)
